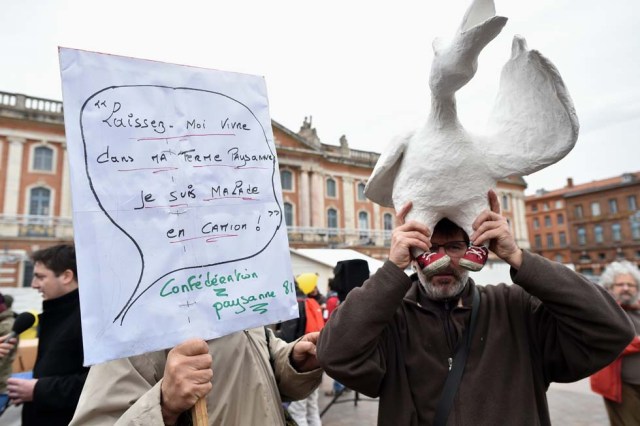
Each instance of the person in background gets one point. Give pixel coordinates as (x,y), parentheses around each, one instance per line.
(51,396)
(332,300)
(305,411)
(619,383)
(332,303)
(397,337)
(7,352)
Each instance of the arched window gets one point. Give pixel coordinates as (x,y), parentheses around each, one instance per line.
(505,202)
(387,222)
(331,188)
(363,224)
(286,180)
(39,201)
(332,219)
(288,214)
(43,158)
(361,196)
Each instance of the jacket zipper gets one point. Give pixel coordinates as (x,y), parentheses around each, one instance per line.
(449,335)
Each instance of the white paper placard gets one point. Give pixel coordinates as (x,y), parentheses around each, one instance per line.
(177,204)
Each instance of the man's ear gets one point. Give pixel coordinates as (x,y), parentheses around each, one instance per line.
(68,276)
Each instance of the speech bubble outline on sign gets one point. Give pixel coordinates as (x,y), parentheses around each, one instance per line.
(172,175)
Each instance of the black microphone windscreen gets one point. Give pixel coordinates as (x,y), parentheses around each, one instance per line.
(23,322)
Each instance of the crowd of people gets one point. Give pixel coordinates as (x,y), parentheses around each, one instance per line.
(426,345)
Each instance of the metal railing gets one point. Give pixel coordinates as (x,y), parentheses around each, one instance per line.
(35,226)
(339,237)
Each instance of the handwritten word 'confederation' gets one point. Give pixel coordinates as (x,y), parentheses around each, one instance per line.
(213,281)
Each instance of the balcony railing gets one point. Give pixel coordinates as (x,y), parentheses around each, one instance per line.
(30,108)
(32,226)
(339,237)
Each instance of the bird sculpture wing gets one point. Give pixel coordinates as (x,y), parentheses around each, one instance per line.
(533,123)
(380,183)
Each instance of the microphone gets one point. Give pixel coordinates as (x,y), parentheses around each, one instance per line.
(23,322)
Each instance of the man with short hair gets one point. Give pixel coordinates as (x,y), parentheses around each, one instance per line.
(58,375)
(399,338)
(619,383)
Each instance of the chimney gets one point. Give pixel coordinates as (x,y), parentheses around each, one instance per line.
(569,182)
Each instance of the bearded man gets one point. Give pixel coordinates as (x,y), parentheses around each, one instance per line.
(619,383)
(401,338)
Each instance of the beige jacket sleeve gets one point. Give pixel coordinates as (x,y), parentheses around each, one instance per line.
(127,391)
(118,393)
(292,385)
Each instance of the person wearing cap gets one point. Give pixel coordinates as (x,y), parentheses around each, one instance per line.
(619,382)
(52,395)
(7,354)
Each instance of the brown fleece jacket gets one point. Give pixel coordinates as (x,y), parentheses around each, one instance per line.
(388,340)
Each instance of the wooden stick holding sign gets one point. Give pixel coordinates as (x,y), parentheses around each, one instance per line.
(199,413)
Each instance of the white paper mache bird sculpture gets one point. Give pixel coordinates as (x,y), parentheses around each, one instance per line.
(446,171)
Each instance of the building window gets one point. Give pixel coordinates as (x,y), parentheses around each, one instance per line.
(602,256)
(613,206)
(534,207)
(578,211)
(288,214)
(538,241)
(582,236)
(616,232)
(331,188)
(43,159)
(632,203)
(595,208)
(559,258)
(545,207)
(598,234)
(635,230)
(286,180)
(39,201)
(550,241)
(332,218)
(363,224)
(388,222)
(560,219)
(536,223)
(559,204)
(563,238)
(361,196)
(505,202)
(547,221)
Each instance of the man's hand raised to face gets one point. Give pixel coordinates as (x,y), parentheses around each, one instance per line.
(407,235)
(187,377)
(491,226)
